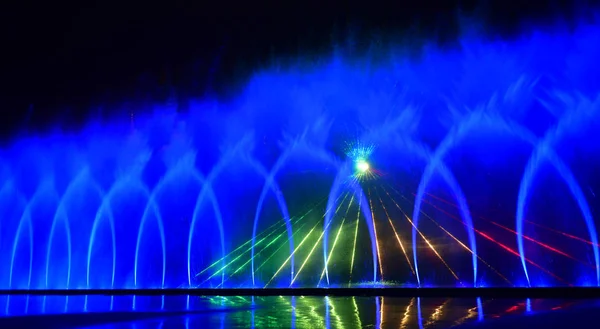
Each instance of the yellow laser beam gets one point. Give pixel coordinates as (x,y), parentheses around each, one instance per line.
(355,238)
(316,244)
(300,245)
(457,240)
(375,232)
(396,234)
(335,241)
(437,254)
(249,249)
(266,260)
(274,227)
(293,235)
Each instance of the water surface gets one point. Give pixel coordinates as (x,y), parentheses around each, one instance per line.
(271,312)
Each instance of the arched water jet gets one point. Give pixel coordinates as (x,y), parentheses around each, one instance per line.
(156,211)
(26,220)
(464,209)
(105,207)
(270,183)
(344,174)
(457,134)
(415,148)
(544,152)
(61,213)
(5,185)
(259,168)
(185,164)
(479,120)
(420,151)
(206,188)
(132,183)
(531,169)
(9,189)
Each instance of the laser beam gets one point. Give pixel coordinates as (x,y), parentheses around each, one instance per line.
(435,252)
(335,241)
(396,234)
(312,250)
(300,245)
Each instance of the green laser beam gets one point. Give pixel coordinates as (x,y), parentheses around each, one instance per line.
(293,235)
(312,250)
(299,245)
(245,252)
(335,241)
(255,255)
(355,238)
(220,270)
(274,227)
(272,255)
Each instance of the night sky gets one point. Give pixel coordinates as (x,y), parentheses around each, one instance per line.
(67,63)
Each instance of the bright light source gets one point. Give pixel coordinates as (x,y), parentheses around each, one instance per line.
(362,166)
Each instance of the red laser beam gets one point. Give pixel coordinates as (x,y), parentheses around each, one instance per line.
(455,238)
(570,236)
(503,246)
(539,243)
(562,233)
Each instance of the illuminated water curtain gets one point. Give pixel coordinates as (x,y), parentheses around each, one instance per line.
(461,168)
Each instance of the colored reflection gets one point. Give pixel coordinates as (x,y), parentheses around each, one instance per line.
(276,312)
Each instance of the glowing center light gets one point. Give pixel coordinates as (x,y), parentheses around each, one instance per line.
(362,166)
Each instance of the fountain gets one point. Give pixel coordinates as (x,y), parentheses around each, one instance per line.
(347,163)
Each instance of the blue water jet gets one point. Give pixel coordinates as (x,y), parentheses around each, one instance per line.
(571,120)
(452,138)
(476,120)
(184,167)
(61,215)
(236,153)
(342,180)
(25,220)
(105,207)
(271,184)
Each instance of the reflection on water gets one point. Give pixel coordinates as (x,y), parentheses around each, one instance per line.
(259,312)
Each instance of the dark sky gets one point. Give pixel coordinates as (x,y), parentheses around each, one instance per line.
(62,60)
